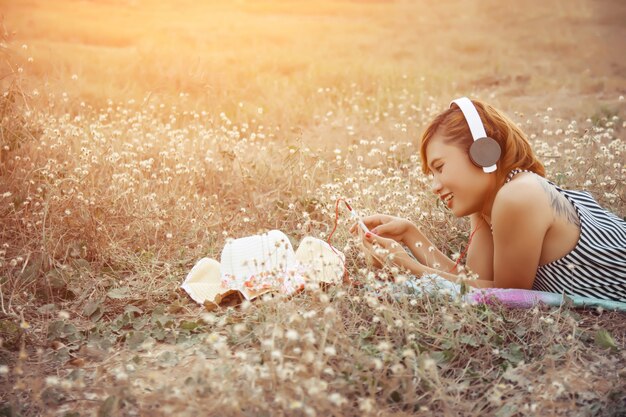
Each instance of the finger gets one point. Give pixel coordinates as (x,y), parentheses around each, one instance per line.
(376,246)
(379,240)
(380,230)
(385,228)
(373,220)
(369,237)
(370,250)
(371,241)
(356,229)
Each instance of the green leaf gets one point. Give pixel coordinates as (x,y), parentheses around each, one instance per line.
(91,307)
(168,359)
(81,264)
(159,333)
(97,315)
(465,288)
(55,279)
(11,334)
(163,320)
(109,407)
(189,325)
(447,344)
(46,308)
(55,329)
(512,375)
(520,331)
(469,339)
(6,410)
(513,354)
(367,333)
(605,340)
(443,356)
(61,356)
(119,293)
(53,396)
(140,322)
(120,322)
(506,411)
(72,334)
(135,339)
(132,309)
(558,350)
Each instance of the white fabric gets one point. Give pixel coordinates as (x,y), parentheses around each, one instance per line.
(203,281)
(258,264)
(269,259)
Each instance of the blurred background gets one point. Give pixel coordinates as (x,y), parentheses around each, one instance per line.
(241,55)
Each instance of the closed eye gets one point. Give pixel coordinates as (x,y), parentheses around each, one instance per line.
(438,168)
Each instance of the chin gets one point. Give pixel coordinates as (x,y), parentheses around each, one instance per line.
(460,212)
(459,215)
(456,213)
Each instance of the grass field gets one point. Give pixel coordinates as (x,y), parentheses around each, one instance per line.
(137,136)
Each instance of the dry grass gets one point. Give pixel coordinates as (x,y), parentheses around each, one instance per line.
(180,130)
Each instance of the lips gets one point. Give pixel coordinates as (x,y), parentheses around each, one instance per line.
(447,199)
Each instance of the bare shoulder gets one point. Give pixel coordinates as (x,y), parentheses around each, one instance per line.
(521,200)
(525,191)
(534,193)
(560,205)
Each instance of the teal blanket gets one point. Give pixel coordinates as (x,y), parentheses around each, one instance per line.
(509,297)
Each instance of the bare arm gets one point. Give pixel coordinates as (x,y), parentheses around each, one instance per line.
(394,254)
(521,216)
(419,270)
(424,250)
(403,231)
(480,251)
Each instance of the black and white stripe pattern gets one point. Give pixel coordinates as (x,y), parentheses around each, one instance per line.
(596,267)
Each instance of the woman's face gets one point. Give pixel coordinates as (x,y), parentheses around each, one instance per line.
(463,187)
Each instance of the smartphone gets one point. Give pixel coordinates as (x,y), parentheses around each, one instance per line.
(356,217)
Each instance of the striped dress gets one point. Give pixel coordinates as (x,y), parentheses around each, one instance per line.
(596,267)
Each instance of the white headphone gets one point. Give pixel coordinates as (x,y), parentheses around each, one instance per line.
(485,151)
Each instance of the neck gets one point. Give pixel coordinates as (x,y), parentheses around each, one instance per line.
(486,210)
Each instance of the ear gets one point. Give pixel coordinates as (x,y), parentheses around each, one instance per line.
(485,153)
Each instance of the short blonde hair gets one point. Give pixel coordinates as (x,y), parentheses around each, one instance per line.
(516,150)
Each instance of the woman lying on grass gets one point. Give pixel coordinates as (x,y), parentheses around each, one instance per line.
(526,232)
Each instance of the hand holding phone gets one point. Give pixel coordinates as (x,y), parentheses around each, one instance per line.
(356,217)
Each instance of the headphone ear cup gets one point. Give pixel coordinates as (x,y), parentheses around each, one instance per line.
(485,152)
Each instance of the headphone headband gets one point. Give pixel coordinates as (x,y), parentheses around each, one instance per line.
(478,133)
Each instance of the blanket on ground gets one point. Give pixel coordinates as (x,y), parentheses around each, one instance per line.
(509,297)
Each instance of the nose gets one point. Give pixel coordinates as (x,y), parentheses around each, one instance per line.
(435,185)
